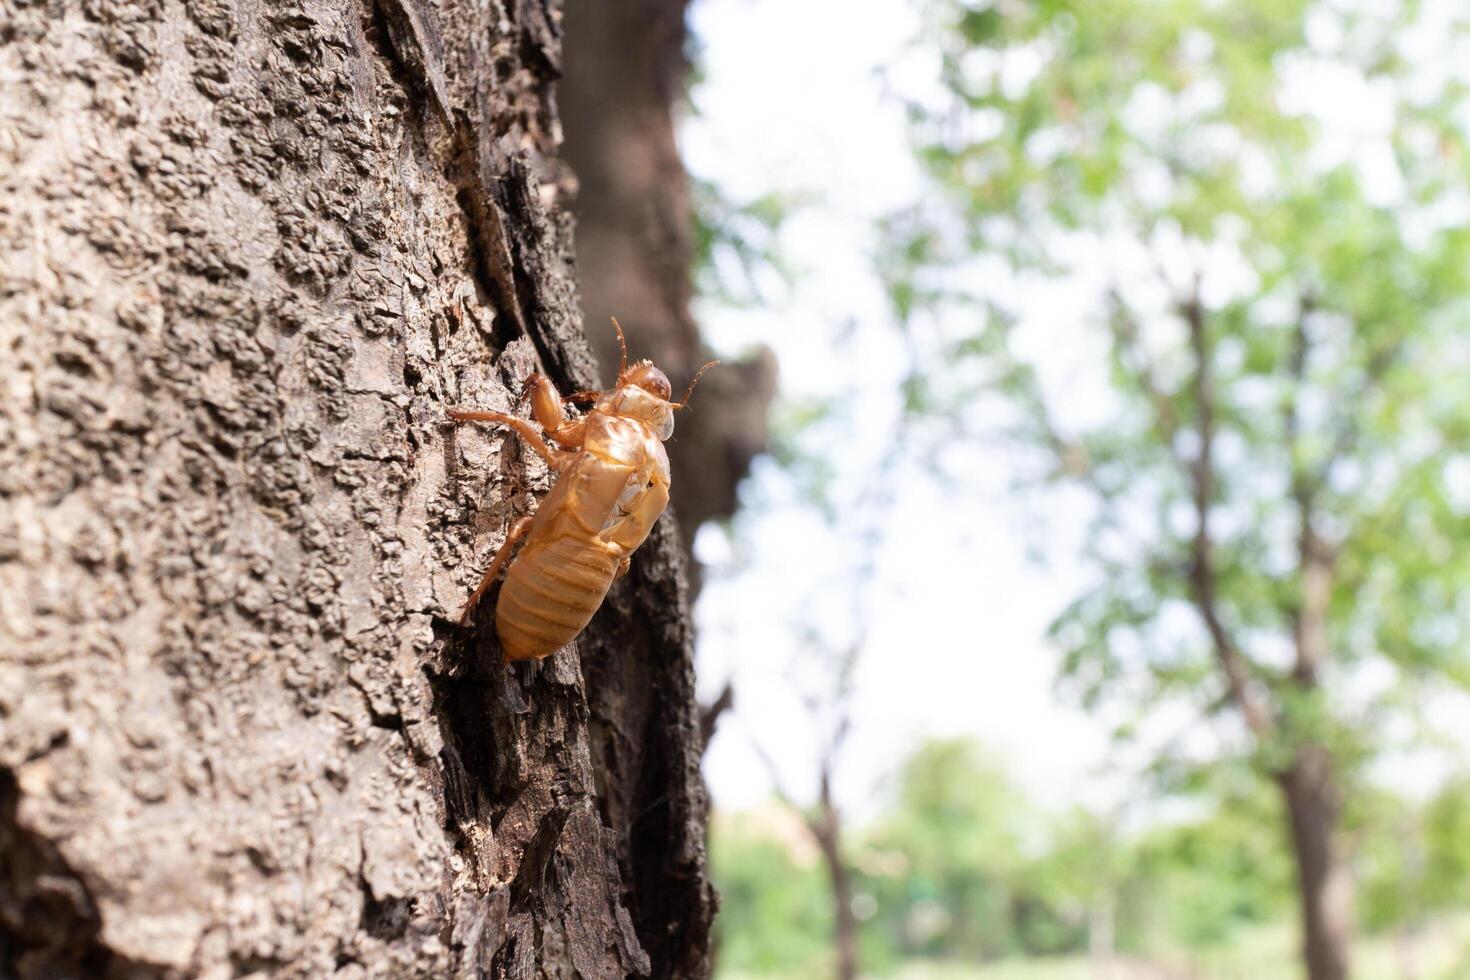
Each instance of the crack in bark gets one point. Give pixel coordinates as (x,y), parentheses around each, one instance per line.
(49,922)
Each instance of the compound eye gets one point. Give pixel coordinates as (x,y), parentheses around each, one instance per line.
(651,380)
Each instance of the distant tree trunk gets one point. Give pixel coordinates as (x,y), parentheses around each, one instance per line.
(626,71)
(826,827)
(1313,797)
(1325,881)
(1308,784)
(710,714)
(249,252)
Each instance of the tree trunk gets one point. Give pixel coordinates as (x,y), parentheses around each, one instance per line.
(826,827)
(1325,884)
(250,250)
(626,73)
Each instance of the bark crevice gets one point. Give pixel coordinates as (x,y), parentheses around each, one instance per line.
(47,912)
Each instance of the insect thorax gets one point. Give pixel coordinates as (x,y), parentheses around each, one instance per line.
(633,402)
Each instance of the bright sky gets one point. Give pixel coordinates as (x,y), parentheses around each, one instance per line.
(956,642)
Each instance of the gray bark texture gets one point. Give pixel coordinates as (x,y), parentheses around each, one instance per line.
(250,251)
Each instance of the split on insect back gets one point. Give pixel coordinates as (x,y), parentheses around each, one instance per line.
(611,484)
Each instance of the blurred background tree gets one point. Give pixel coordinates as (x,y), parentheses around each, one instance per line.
(960,823)
(1203,266)
(773,883)
(1273,327)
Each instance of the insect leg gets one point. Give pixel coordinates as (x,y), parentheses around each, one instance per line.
(623,567)
(569,435)
(547,407)
(524,429)
(516,532)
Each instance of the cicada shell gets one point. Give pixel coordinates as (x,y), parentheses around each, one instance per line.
(612,485)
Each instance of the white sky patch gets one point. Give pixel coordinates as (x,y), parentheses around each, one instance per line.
(1355,115)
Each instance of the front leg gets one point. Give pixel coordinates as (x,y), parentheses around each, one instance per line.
(549,408)
(524,429)
(512,536)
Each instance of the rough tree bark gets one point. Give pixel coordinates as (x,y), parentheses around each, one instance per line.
(626,71)
(249,252)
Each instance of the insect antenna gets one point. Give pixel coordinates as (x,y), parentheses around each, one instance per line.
(681,404)
(623,345)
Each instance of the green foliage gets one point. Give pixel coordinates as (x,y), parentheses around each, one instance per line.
(1415,858)
(793,426)
(1447,847)
(775,909)
(737,261)
(1248,285)
(954,805)
(1198,884)
(959,866)
(1273,334)
(957,829)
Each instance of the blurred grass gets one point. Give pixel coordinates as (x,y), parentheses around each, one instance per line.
(1440,952)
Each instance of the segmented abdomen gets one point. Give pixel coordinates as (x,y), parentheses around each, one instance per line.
(550,593)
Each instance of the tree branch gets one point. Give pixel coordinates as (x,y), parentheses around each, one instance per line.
(1201,475)
(1314,559)
(825,822)
(1202,570)
(1349,428)
(709,715)
(1317,561)
(1126,336)
(777,786)
(1317,556)
(1301,345)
